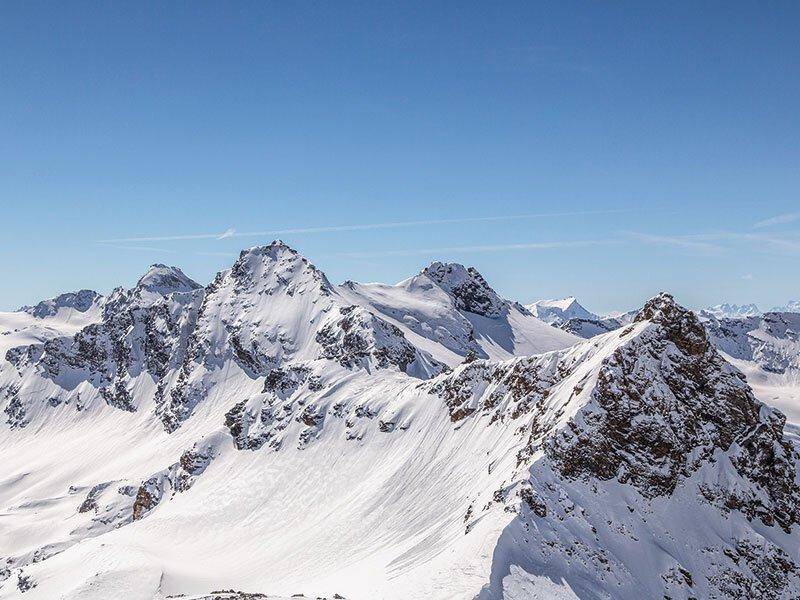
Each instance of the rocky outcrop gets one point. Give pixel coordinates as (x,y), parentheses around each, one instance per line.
(139,332)
(667,402)
(356,337)
(587,328)
(176,478)
(468,288)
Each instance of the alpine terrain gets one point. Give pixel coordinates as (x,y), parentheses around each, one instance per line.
(273,435)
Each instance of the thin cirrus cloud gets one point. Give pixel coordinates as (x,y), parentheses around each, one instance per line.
(478,248)
(136,248)
(232,233)
(719,242)
(685,242)
(785,243)
(778,220)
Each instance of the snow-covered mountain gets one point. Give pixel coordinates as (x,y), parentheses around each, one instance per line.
(560,310)
(569,315)
(451,311)
(272,432)
(793,306)
(726,310)
(766,349)
(81,301)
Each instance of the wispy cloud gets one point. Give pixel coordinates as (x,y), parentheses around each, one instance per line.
(747,276)
(787,242)
(226,254)
(686,242)
(721,241)
(232,233)
(778,220)
(477,248)
(135,248)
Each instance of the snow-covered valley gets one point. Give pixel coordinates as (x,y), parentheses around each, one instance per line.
(274,433)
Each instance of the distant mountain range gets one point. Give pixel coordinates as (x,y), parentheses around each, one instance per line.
(748,310)
(569,315)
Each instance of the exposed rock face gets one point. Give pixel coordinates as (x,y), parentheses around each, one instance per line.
(587,328)
(505,390)
(25,583)
(667,402)
(356,336)
(15,409)
(139,331)
(176,478)
(662,429)
(468,288)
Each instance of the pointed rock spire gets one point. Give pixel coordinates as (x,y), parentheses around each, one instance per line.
(468,288)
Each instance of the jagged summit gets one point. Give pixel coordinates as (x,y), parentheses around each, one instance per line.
(683,327)
(81,301)
(467,287)
(660,307)
(164,280)
(277,265)
(274,248)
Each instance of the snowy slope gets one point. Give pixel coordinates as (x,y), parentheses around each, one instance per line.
(451,311)
(767,350)
(274,433)
(49,319)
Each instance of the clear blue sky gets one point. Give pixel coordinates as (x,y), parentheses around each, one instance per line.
(659,145)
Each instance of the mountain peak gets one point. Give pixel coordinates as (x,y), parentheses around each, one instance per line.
(561,310)
(682,326)
(274,248)
(658,307)
(277,265)
(467,287)
(164,280)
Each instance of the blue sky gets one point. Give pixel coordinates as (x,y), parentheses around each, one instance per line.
(603,150)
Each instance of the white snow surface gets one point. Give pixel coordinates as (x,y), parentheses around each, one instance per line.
(428,314)
(792,306)
(288,436)
(560,310)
